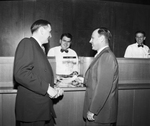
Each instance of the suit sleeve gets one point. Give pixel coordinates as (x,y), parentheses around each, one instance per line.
(104,82)
(24,66)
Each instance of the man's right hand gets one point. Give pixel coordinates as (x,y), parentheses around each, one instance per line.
(54,92)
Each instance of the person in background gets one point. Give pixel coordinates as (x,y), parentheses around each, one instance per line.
(101,80)
(66,58)
(138,49)
(34,79)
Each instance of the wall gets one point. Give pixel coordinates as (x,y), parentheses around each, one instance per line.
(79,17)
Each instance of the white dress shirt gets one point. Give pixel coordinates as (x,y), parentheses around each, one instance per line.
(66,63)
(133,51)
(100,50)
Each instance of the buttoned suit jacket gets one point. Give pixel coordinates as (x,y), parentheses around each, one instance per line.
(32,76)
(101,79)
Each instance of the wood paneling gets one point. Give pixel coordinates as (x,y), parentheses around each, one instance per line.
(125,108)
(134,92)
(141,108)
(6,71)
(69,109)
(133,109)
(134,71)
(79,17)
(8,111)
(1,109)
(11,14)
(131,71)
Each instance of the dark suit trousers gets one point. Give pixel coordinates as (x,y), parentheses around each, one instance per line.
(38,123)
(88,123)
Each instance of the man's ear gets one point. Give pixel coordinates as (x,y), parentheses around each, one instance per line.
(41,30)
(102,37)
(144,38)
(60,41)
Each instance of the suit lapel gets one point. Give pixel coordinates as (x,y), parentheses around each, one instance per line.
(93,62)
(97,57)
(37,45)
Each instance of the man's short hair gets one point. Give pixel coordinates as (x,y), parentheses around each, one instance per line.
(104,31)
(37,24)
(68,35)
(144,34)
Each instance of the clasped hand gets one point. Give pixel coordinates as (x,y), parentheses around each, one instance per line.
(54,92)
(59,92)
(90,116)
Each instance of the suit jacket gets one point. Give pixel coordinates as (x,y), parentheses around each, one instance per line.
(101,79)
(32,75)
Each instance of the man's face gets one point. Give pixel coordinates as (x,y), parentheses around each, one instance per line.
(139,38)
(96,40)
(47,33)
(65,43)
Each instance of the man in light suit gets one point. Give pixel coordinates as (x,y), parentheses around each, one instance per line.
(101,79)
(34,79)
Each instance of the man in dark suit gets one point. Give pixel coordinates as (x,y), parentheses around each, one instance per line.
(34,78)
(101,79)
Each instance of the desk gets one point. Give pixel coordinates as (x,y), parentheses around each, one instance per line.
(134,93)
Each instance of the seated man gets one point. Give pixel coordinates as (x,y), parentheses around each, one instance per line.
(66,58)
(138,49)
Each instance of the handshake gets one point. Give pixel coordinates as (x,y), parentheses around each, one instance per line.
(54,92)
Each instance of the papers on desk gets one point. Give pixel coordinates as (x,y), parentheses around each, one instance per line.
(66,65)
(69,81)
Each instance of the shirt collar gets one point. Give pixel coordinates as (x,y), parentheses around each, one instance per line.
(100,50)
(139,44)
(37,41)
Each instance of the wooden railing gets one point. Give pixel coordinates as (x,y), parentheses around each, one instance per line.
(134,93)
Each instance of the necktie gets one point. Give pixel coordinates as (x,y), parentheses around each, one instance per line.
(140,46)
(62,50)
